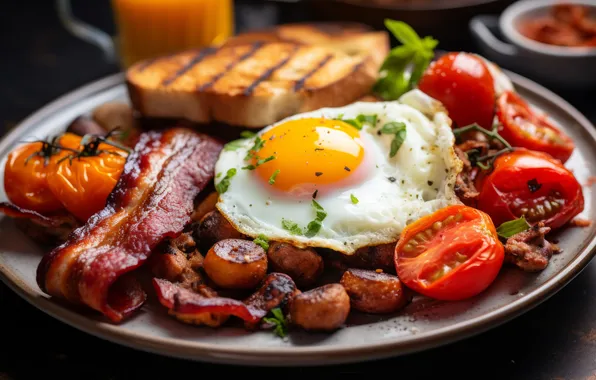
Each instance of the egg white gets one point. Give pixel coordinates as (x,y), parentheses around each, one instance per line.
(398,190)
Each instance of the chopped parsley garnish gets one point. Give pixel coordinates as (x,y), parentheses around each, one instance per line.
(263,241)
(247,134)
(259,142)
(279,321)
(398,129)
(533,185)
(360,120)
(236,144)
(312,228)
(354,199)
(292,227)
(405,64)
(273,176)
(315,226)
(512,227)
(260,162)
(222,186)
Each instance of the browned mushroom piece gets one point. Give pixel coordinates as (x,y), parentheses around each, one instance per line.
(212,228)
(304,265)
(323,308)
(236,264)
(373,292)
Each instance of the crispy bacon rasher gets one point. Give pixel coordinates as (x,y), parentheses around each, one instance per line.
(275,291)
(152,200)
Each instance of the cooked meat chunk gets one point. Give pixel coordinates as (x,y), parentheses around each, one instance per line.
(304,266)
(373,292)
(322,308)
(236,264)
(372,257)
(530,250)
(212,228)
(205,206)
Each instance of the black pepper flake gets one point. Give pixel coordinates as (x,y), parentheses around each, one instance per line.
(533,185)
(347,168)
(403,181)
(317,149)
(391,179)
(314,195)
(430,183)
(379,133)
(318,174)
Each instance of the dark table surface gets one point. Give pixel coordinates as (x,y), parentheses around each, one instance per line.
(40,61)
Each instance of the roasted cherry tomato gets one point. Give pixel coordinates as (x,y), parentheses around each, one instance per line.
(452,254)
(532,184)
(26,170)
(465,86)
(82,182)
(523,127)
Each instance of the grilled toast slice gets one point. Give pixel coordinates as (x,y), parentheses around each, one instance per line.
(249,85)
(347,37)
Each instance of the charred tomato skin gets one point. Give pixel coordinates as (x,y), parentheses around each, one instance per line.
(526,179)
(523,127)
(457,237)
(462,82)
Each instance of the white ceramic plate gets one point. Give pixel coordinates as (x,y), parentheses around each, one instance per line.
(422,325)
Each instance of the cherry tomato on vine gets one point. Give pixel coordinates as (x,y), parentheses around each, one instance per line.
(532,184)
(523,127)
(26,170)
(452,254)
(465,86)
(82,182)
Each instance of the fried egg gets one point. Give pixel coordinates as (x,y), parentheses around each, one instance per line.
(341,178)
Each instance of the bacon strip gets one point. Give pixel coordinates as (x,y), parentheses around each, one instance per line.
(152,200)
(58,220)
(276,291)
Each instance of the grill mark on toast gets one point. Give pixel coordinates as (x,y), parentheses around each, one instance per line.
(255,47)
(270,72)
(300,82)
(146,64)
(202,54)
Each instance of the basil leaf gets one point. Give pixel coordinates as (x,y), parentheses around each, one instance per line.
(370,119)
(398,140)
(263,241)
(393,127)
(222,186)
(290,226)
(512,227)
(314,226)
(273,176)
(279,321)
(321,213)
(403,32)
(354,123)
(354,199)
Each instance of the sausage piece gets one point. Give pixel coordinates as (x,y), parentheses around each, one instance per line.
(212,228)
(236,264)
(205,206)
(373,292)
(305,266)
(322,308)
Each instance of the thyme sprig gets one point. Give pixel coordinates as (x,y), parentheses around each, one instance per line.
(91,144)
(492,135)
(47,150)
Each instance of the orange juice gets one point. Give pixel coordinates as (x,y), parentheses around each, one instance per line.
(152,28)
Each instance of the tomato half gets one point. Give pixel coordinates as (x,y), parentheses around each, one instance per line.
(465,86)
(26,170)
(529,183)
(523,127)
(452,254)
(83,184)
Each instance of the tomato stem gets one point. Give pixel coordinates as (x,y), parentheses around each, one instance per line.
(491,134)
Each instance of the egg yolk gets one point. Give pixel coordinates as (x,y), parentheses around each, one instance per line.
(308,154)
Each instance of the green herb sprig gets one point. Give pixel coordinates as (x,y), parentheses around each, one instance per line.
(512,227)
(492,135)
(263,241)
(222,186)
(312,228)
(398,129)
(279,321)
(405,64)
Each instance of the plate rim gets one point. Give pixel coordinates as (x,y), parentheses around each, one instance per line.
(307,355)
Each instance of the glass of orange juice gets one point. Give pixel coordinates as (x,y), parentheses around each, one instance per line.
(152,28)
